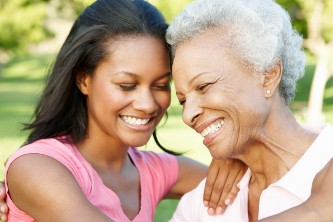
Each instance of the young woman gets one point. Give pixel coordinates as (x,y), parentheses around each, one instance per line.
(108,89)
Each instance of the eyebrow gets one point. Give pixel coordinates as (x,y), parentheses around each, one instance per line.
(125,73)
(197,76)
(167,74)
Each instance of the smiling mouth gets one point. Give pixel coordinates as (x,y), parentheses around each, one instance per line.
(135,121)
(212,128)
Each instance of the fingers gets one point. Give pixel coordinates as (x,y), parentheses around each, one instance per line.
(218,195)
(3,205)
(220,200)
(3,211)
(234,189)
(221,185)
(210,181)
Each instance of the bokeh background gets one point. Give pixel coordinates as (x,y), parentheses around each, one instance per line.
(32,31)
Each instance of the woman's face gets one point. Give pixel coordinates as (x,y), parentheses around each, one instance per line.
(221,99)
(129,92)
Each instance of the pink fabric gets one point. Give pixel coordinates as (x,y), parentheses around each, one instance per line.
(158,173)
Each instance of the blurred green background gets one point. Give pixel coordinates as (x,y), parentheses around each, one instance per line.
(32,32)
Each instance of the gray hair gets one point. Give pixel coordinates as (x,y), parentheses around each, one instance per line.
(258,31)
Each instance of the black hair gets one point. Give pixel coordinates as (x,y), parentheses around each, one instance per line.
(62,108)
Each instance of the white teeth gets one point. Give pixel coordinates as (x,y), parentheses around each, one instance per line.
(212,128)
(134,121)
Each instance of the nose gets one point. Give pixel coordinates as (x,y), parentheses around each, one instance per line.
(191,111)
(145,101)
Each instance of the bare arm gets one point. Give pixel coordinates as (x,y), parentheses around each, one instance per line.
(190,174)
(47,191)
(319,206)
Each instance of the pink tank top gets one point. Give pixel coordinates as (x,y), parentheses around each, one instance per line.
(158,173)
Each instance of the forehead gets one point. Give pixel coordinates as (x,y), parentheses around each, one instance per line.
(140,55)
(204,52)
(143,50)
(135,45)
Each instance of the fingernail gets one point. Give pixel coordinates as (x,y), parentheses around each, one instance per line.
(211,211)
(3,218)
(227,201)
(206,203)
(219,210)
(2,208)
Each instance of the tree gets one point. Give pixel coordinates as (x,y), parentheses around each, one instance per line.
(21,22)
(170,8)
(319,14)
(24,22)
(314,19)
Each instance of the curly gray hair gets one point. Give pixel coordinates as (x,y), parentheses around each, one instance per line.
(258,31)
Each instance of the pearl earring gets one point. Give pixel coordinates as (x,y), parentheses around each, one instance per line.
(268,91)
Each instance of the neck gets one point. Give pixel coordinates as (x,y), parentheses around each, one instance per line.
(104,154)
(276,147)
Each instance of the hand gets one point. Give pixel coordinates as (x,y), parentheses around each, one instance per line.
(3,205)
(221,184)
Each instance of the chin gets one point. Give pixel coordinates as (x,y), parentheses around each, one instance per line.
(219,157)
(219,153)
(138,143)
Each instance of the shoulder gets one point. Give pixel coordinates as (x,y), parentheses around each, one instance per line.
(43,156)
(44,146)
(42,187)
(44,153)
(190,206)
(60,150)
(33,172)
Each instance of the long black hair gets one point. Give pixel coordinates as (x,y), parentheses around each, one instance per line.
(62,108)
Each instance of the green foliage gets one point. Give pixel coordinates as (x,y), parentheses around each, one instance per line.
(72,8)
(170,8)
(295,11)
(301,10)
(22,23)
(327,19)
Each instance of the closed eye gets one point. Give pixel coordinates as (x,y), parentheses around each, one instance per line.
(127,87)
(182,102)
(164,86)
(202,87)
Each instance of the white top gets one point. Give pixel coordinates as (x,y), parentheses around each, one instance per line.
(291,190)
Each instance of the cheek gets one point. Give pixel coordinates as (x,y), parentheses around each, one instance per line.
(163,99)
(221,99)
(106,96)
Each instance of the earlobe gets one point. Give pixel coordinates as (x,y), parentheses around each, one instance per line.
(271,80)
(82,82)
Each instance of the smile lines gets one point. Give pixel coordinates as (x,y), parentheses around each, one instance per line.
(212,128)
(134,121)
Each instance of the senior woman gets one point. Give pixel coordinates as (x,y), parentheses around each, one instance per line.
(235,68)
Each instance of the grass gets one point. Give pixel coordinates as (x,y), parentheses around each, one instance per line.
(21,81)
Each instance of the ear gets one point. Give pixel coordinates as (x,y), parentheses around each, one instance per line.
(271,80)
(83,82)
